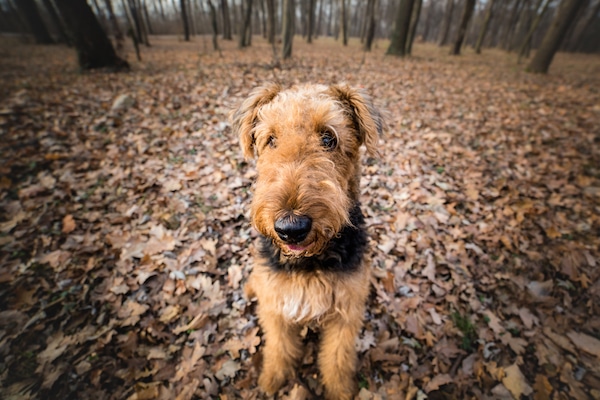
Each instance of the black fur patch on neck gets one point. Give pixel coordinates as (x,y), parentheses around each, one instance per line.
(344,253)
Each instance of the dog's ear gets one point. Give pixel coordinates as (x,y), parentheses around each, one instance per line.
(367,120)
(243,120)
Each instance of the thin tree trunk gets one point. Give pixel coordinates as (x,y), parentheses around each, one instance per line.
(370,31)
(427,26)
(184,18)
(94,49)
(564,17)
(226,20)
(510,27)
(462,29)
(330,19)
(287,28)
(447,22)
(343,22)
(575,43)
(113,21)
(534,25)
(62,34)
(484,27)
(412,29)
(131,31)
(311,21)
(215,29)
(162,10)
(319,19)
(245,28)
(399,36)
(271,21)
(32,15)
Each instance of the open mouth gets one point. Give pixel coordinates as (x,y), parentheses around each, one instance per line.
(296,248)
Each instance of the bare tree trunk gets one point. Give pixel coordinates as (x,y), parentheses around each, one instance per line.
(184,18)
(412,29)
(330,19)
(575,42)
(427,27)
(343,22)
(146,18)
(162,10)
(319,19)
(288,28)
(32,15)
(94,49)
(131,31)
(245,31)
(527,40)
(510,26)
(215,29)
(62,34)
(271,21)
(226,20)
(399,36)
(370,31)
(311,20)
(564,17)
(464,21)
(113,21)
(447,21)
(484,27)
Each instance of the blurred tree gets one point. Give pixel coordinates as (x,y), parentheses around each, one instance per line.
(400,34)
(287,28)
(412,29)
(214,24)
(246,28)
(484,27)
(29,10)
(370,30)
(575,42)
(271,21)
(184,18)
(58,24)
(226,20)
(445,30)
(311,20)
(564,17)
(113,21)
(343,22)
(539,11)
(462,28)
(94,49)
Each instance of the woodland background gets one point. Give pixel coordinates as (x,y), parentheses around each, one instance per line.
(124,232)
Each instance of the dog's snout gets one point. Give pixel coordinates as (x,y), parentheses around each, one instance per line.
(293,228)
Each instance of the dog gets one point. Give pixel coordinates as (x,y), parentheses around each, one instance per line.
(310,263)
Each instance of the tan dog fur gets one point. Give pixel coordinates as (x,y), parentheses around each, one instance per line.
(300,173)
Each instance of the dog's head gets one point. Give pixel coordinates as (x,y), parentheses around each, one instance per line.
(306,140)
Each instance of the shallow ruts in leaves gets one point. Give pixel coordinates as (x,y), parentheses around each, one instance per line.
(125,239)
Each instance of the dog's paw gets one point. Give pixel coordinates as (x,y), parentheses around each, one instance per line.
(271,381)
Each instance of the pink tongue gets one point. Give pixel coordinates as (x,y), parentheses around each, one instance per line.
(295,247)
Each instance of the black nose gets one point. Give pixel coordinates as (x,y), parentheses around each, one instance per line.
(293,228)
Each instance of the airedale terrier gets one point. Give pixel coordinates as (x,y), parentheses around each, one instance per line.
(310,263)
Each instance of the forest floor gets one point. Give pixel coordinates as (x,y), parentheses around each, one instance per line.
(125,240)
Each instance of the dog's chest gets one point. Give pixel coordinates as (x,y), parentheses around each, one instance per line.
(306,300)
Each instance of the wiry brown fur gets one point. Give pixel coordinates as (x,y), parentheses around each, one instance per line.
(297,175)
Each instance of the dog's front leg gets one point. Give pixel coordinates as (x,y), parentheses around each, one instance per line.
(282,350)
(337,358)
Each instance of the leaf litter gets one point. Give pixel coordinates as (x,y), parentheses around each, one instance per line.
(125,236)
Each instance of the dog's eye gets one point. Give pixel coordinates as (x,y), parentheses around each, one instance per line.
(328,140)
(272,142)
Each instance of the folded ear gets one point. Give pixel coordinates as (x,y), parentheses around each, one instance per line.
(244,118)
(366,118)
